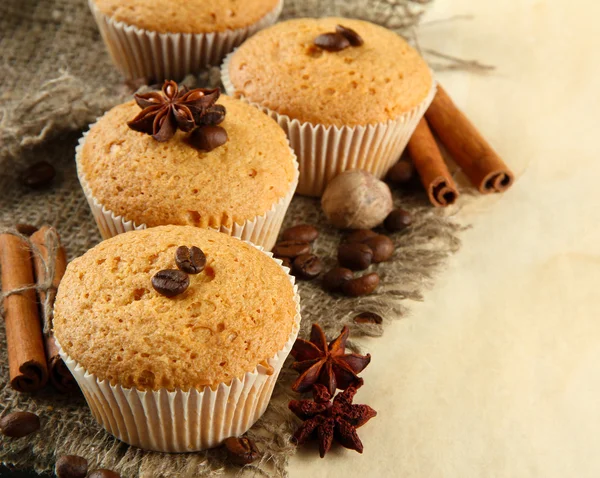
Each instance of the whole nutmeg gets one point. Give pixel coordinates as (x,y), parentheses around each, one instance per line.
(356,200)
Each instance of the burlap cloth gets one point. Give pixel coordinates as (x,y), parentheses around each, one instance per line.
(57,78)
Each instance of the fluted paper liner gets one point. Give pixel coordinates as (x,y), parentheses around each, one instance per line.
(326,151)
(179,421)
(140,53)
(261,230)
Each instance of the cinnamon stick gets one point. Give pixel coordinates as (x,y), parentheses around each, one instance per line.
(430,165)
(60,376)
(480,163)
(27,362)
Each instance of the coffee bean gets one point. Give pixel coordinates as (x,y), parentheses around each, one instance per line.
(38,175)
(207,138)
(286,262)
(332,42)
(71,466)
(355,256)
(360,235)
(354,38)
(368,318)
(190,259)
(170,282)
(401,173)
(307,266)
(241,451)
(302,232)
(291,249)
(382,246)
(214,116)
(361,285)
(26,229)
(397,220)
(334,280)
(104,474)
(19,424)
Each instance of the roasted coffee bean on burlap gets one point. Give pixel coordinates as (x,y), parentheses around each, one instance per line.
(19,424)
(26,229)
(401,173)
(38,175)
(382,247)
(332,41)
(190,259)
(291,249)
(170,282)
(103,473)
(361,285)
(302,232)
(207,138)
(334,280)
(241,451)
(368,318)
(355,256)
(71,466)
(307,266)
(398,220)
(360,235)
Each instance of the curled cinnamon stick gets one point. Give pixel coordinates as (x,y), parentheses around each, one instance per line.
(26,358)
(431,167)
(52,259)
(480,163)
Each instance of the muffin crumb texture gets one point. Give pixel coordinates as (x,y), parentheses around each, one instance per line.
(237,313)
(282,69)
(187,16)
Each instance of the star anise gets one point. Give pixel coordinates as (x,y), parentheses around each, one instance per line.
(328,420)
(328,365)
(165,111)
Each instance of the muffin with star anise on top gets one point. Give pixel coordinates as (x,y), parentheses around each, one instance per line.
(188,157)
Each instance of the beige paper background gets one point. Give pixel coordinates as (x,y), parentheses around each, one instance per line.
(497,373)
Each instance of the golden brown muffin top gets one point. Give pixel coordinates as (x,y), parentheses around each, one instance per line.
(280,68)
(187,16)
(154,183)
(236,314)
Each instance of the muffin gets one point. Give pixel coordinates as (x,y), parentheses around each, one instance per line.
(352,108)
(242,188)
(160,39)
(180,373)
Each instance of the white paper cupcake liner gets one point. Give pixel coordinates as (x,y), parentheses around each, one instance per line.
(326,151)
(261,230)
(178,422)
(140,53)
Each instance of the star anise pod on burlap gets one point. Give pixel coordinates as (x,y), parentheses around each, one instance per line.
(173,107)
(328,365)
(331,420)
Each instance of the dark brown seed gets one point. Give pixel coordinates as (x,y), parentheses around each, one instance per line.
(334,280)
(207,138)
(71,466)
(360,235)
(397,220)
(26,229)
(214,116)
(332,42)
(38,175)
(401,173)
(291,249)
(307,266)
(104,474)
(361,285)
(170,282)
(241,451)
(19,424)
(382,246)
(302,232)
(190,259)
(368,318)
(354,38)
(286,262)
(355,256)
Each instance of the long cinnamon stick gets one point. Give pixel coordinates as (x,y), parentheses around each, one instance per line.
(60,376)
(430,165)
(480,163)
(27,362)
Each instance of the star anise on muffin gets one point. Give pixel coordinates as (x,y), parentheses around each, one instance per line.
(328,365)
(163,112)
(329,420)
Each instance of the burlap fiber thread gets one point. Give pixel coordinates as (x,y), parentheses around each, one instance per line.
(57,78)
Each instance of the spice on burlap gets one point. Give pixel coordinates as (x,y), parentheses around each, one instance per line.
(56,102)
